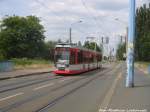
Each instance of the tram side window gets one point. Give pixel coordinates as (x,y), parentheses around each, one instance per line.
(88,58)
(72,57)
(91,58)
(85,59)
(80,57)
(98,58)
(95,59)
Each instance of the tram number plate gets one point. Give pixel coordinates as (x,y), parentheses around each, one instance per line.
(60,66)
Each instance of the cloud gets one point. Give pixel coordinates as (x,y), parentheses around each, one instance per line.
(62,14)
(98,16)
(113,5)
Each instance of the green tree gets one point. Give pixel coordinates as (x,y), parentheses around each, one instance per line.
(50,46)
(86,44)
(21,37)
(91,45)
(142,41)
(121,51)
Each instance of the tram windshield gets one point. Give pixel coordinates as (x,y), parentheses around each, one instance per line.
(61,54)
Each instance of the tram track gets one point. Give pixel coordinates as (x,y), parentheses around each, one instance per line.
(21,81)
(56,100)
(34,97)
(28,84)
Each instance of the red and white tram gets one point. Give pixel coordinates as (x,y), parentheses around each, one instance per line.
(70,59)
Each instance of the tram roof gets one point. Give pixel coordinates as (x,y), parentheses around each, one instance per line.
(66,45)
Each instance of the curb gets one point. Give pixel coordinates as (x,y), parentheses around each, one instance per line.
(25,75)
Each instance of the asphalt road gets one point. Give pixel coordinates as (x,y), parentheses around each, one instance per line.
(50,93)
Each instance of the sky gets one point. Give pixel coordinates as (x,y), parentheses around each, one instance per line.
(98,17)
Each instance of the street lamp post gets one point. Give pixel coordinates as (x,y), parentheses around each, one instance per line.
(130,51)
(70,30)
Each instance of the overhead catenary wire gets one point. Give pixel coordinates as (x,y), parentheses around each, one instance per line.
(51,11)
(96,22)
(45,6)
(93,17)
(56,14)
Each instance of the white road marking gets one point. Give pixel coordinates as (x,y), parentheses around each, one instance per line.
(40,87)
(2,99)
(64,80)
(108,97)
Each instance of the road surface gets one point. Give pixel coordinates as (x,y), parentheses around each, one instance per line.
(88,92)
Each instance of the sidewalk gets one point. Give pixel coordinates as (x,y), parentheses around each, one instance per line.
(135,99)
(24,72)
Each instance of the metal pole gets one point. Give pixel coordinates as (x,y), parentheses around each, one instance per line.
(70,31)
(130,52)
(70,34)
